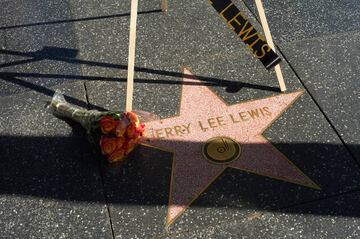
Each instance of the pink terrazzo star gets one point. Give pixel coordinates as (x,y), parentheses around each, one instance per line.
(203,116)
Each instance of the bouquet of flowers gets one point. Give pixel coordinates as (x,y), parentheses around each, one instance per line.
(117,133)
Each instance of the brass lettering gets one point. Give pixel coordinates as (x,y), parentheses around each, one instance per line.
(262,112)
(159,133)
(243,116)
(220,121)
(233,23)
(168,132)
(254,43)
(267,111)
(212,123)
(187,127)
(244,34)
(233,120)
(226,8)
(178,130)
(202,128)
(152,133)
(263,51)
(254,113)
(238,22)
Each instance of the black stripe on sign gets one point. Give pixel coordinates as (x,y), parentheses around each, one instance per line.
(255,42)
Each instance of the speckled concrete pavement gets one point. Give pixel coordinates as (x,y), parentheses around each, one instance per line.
(53,185)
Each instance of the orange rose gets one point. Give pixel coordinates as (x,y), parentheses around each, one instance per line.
(133,118)
(107,124)
(131,131)
(121,127)
(130,145)
(117,155)
(108,145)
(120,142)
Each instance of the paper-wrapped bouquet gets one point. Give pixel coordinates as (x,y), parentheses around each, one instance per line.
(117,133)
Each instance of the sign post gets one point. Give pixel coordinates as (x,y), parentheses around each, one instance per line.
(132,47)
(164,5)
(248,35)
(269,39)
(131,57)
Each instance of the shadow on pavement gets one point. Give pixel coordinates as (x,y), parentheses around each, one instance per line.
(67,168)
(69,56)
(77,20)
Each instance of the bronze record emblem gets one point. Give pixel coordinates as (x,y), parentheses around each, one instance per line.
(221,150)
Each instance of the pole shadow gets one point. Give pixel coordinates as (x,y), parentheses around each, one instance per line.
(69,56)
(76,20)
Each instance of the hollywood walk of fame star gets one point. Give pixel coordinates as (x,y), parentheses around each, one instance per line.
(208,136)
